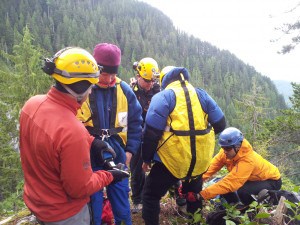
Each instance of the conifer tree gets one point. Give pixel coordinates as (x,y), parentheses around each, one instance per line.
(252,110)
(20,79)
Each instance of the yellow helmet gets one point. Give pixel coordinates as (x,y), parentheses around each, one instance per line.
(148,68)
(72,64)
(164,71)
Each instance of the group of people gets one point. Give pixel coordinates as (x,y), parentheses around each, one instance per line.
(92,128)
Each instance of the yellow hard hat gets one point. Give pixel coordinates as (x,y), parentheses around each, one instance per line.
(71,65)
(148,68)
(164,71)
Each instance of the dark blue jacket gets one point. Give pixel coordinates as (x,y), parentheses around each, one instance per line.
(104,101)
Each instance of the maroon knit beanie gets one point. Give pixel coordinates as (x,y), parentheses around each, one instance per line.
(108,56)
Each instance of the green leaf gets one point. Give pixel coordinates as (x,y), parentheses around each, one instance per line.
(289,205)
(253,204)
(262,215)
(197,217)
(229,222)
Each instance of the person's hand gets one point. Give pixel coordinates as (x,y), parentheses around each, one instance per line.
(118,175)
(128,158)
(100,150)
(146,167)
(199,197)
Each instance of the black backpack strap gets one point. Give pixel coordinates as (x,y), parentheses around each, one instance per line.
(94,110)
(191,125)
(96,131)
(191,132)
(104,132)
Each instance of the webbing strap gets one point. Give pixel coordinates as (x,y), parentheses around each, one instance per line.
(191,125)
(102,132)
(94,109)
(191,132)
(95,117)
(113,112)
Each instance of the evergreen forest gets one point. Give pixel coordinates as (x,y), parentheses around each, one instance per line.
(33,29)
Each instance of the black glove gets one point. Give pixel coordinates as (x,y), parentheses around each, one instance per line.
(98,152)
(118,175)
(263,196)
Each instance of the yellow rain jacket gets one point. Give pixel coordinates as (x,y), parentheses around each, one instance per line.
(187,144)
(247,165)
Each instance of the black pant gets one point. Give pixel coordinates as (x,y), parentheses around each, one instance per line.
(137,179)
(251,188)
(156,186)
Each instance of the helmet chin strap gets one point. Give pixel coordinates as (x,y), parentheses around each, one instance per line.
(237,148)
(78,97)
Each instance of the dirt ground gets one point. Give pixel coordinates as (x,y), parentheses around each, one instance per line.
(169,215)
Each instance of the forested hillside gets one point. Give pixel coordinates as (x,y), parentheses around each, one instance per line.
(284,88)
(31,29)
(140,31)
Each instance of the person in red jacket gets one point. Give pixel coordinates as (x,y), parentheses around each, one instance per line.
(55,147)
(249,172)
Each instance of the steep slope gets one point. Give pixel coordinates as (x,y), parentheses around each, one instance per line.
(140,30)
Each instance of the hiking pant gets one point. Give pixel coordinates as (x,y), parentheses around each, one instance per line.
(251,188)
(81,218)
(156,186)
(137,179)
(118,195)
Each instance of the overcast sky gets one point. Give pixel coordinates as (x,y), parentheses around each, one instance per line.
(244,27)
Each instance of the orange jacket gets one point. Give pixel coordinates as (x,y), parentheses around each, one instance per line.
(55,156)
(247,165)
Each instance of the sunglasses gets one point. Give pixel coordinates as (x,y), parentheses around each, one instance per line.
(227,149)
(148,81)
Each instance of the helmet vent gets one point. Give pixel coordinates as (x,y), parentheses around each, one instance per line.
(77,64)
(231,136)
